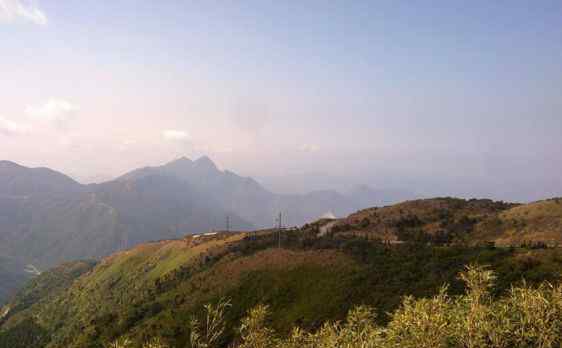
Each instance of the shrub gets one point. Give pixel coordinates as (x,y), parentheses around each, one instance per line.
(208,333)
(526,317)
(254,332)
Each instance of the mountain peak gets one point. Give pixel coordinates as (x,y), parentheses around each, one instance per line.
(183,159)
(205,162)
(182,163)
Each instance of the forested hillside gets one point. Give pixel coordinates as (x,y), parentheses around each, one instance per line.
(526,316)
(156,289)
(12,278)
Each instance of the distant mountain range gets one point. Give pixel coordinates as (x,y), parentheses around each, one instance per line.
(47,218)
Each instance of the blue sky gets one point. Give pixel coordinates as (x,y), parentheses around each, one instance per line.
(440,97)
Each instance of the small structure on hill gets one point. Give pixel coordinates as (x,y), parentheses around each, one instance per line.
(328,216)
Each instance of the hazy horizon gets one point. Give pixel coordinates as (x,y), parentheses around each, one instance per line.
(448,99)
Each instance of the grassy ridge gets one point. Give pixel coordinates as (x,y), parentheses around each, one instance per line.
(535,222)
(453,220)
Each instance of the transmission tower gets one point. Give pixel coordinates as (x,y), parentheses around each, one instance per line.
(279,228)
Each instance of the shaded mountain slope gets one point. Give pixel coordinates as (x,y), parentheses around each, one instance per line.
(46,230)
(246,198)
(162,207)
(18,180)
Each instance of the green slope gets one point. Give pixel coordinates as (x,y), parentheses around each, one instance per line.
(154,289)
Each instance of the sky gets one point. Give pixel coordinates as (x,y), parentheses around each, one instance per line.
(435,97)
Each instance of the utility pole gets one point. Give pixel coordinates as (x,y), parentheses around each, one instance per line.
(124,241)
(228,223)
(279,228)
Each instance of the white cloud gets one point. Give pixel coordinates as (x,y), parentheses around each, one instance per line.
(176,135)
(56,111)
(8,127)
(11,10)
(310,148)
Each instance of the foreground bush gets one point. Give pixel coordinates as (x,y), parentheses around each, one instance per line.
(524,317)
